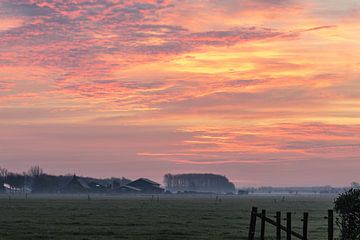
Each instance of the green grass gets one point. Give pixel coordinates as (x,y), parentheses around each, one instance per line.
(173,217)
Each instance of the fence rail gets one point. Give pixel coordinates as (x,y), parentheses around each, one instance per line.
(288,228)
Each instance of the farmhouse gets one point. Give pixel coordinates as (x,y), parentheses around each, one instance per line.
(146,186)
(141,186)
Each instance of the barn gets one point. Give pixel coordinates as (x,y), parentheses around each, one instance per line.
(76,185)
(126,190)
(146,186)
(96,187)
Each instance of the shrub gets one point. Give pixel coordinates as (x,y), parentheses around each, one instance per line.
(347,205)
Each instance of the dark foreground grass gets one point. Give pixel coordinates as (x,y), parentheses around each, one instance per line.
(172,217)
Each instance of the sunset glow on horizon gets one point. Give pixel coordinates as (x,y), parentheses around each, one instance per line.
(266,92)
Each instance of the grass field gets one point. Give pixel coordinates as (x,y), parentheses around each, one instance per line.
(172,217)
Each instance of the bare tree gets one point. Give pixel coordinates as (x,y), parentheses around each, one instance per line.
(355,185)
(35,171)
(3,172)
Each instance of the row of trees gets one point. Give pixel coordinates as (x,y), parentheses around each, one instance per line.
(33,171)
(198,182)
(21,181)
(36,180)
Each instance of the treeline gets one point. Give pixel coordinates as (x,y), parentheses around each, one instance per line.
(294,190)
(35,180)
(19,181)
(198,183)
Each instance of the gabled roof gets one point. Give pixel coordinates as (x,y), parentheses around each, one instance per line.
(95,185)
(146,180)
(81,181)
(130,188)
(126,189)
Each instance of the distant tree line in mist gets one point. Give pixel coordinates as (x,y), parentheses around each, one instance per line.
(198,183)
(37,181)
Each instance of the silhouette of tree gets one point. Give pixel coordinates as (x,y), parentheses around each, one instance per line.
(355,185)
(15,180)
(35,171)
(3,174)
(347,205)
(46,184)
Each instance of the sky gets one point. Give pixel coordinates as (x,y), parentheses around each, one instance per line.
(266,92)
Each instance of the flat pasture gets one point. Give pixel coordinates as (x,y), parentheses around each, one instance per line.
(149,217)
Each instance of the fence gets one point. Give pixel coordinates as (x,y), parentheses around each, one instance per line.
(288,228)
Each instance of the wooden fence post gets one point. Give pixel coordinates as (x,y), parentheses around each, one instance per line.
(330,224)
(305,225)
(278,224)
(252,223)
(288,226)
(263,216)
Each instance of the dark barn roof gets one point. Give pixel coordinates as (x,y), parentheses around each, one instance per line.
(76,185)
(150,181)
(97,187)
(126,189)
(144,180)
(146,186)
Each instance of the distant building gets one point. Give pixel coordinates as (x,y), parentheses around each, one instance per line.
(76,185)
(141,186)
(243,192)
(115,184)
(118,182)
(7,188)
(146,186)
(97,187)
(126,190)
